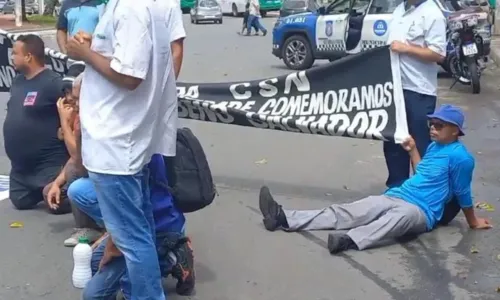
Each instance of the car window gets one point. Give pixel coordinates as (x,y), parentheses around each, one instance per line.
(342,6)
(208,3)
(294,4)
(384,6)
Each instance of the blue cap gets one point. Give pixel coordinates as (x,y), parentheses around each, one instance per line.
(450,114)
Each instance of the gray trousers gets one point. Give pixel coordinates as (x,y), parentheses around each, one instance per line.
(369,221)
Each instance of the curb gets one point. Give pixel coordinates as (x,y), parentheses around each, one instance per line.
(40,32)
(495,50)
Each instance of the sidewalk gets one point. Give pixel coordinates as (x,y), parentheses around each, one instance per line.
(8,23)
(495,49)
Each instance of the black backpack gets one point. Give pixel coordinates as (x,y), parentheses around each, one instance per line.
(188,173)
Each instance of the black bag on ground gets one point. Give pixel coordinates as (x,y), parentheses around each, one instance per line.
(189,177)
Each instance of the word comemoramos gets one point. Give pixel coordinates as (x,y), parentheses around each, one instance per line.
(294,104)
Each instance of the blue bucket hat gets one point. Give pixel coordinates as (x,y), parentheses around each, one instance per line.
(450,114)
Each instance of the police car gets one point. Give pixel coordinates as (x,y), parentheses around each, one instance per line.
(343,27)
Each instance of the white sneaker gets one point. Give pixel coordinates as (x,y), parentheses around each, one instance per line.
(91,234)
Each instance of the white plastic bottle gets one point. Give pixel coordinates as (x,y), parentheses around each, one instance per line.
(82,255)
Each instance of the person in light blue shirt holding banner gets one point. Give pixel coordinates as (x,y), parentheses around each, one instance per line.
(414,207)
(75,16)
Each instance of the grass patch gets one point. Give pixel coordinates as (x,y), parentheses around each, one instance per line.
(42,20)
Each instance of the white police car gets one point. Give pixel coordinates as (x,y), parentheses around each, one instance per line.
(341,28)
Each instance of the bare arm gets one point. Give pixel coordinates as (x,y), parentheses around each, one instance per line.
(62,39)
(61,178)
(177,55)
(69,138)
(414,158)
(470,216)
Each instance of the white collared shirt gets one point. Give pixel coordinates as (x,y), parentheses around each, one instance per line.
(423,25)
(122,129)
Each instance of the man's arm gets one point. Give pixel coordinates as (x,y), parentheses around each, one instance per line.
(62,28)
(131,57)
(61,178)
(177,35)
(461,180)
(414,158)
(69,138)
(435,40)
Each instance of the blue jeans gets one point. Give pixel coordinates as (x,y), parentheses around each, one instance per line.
(255,22)
(106,283)
(124,202)
(418,106)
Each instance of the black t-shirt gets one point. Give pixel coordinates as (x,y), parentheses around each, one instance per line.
(32,122)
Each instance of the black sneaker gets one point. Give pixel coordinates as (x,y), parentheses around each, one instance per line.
(272,212)
(264,33)
(338,242)
(183,270)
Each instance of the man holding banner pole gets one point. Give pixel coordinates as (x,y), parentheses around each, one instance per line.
(418,34)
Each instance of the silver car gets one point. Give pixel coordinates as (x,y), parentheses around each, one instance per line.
(206,11)
(31,7)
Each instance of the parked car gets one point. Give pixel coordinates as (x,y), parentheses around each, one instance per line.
(206,11)
(302,38)
(293,7)
(10,7)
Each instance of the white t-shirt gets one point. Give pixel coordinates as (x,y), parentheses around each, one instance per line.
(173,15)
(423,26)
(122,129)
(252,10)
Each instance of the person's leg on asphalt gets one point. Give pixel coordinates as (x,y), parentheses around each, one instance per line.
(128,218)
(88,220)
(21,194)
(417,106)
(337,216)
(260,26)
(105,283)
(83,197)
(420,107)
(404,218)
(250,23)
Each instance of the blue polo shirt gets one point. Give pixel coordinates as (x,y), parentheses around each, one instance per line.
(79,15)
(445,171)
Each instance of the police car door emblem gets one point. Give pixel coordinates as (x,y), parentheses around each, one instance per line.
(329,28)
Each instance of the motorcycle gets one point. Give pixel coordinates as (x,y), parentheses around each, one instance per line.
(466,52)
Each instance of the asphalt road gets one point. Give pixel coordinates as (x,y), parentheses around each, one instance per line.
(236,258)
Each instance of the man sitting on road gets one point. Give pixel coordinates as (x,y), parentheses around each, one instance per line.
(412,208)
(175,253)
(31,129)
(74,169)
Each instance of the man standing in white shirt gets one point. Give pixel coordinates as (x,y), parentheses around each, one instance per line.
(418,33)
(254,17)
(128,111)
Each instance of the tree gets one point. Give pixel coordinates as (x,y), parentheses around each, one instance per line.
(50,6)
(23,11)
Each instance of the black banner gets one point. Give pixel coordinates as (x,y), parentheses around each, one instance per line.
(358,96)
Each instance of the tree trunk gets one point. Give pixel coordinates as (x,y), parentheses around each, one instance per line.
(50,6)
(23,11)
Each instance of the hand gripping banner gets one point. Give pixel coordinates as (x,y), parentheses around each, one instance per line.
(359,96)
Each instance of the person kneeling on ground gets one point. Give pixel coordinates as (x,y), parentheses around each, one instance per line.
(31,129)
(74,169)
(174,248)
(412,208)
